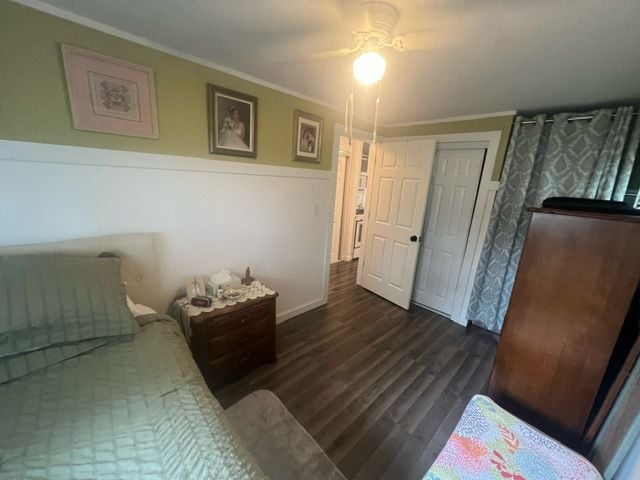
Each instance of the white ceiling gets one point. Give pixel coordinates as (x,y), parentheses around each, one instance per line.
(490,55)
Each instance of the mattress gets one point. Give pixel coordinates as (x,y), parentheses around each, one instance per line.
(137,410)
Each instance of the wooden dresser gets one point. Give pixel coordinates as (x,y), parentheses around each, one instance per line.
(228,343)
(572,323)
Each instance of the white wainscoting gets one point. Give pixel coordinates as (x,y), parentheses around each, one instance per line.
(208,214)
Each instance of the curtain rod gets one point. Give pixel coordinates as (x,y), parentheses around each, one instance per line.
(571,119)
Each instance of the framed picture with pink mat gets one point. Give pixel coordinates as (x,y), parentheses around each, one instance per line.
(110,95)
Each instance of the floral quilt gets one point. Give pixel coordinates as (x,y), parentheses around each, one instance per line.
(489,443)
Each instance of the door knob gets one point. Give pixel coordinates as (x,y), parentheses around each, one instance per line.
(413,238)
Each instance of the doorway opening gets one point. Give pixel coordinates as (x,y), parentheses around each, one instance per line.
(350,201)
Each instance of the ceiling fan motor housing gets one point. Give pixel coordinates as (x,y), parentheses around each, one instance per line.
(376,30)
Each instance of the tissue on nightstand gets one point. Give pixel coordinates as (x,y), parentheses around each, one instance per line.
(221,280)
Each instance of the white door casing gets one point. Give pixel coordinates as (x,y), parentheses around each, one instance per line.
(352,174)
(337,209)
(485,197)
(454,185)
(399,188)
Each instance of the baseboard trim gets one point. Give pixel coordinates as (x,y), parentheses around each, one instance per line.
(294,312)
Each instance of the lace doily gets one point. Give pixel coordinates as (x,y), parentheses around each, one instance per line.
(255,290)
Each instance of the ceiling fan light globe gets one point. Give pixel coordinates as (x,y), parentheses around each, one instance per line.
(369,68)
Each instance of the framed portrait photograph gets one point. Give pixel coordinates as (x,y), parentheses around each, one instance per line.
(307,136)
(109,95)
(232,122)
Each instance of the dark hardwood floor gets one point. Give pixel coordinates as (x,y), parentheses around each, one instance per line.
(379,388)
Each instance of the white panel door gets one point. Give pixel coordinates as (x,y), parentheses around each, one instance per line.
(337,209)
(454,184)
(399,190)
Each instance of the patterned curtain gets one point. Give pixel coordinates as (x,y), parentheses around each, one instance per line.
(581,158)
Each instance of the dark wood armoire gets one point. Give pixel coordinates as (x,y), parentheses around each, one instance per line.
(570,335)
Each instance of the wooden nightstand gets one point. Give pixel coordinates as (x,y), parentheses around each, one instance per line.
(229,342)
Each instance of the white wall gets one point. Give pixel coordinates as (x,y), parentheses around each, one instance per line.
(209,214)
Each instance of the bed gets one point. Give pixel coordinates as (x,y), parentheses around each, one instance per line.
(105,403)
(133,409)
(109,389)
(489,443)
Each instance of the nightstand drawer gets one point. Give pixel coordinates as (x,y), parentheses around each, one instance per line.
(231,341)
(240,362)
(237,339)
(237,320)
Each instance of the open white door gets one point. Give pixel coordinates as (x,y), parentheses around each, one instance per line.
(399,190)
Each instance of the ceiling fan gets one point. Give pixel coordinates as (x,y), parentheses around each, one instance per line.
(373,24)
(373,30)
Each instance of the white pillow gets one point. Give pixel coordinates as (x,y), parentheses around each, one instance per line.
(143,310)
(138,309)
(131,305)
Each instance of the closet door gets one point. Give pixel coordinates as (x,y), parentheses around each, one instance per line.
(454,185)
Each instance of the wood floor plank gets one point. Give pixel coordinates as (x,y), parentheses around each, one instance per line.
(404,461)
(365,448)
(366,376)
(421,385)
(345,408)
(357,431)
(367,408)
(428,397)
(383,455)
(438,440)
(379,387)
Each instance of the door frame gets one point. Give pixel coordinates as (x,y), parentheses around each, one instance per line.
(341,154)
(338,131)
(481,212)
(479,221)
(350,200)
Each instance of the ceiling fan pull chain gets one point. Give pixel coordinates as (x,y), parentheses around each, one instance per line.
(353,107)
(348,113)
(375,117)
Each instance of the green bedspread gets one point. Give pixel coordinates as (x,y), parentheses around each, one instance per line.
(136,410)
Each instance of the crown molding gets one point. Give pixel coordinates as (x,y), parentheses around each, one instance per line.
(460,118)
(95,25)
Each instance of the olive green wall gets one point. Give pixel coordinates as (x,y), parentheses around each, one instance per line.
(502,123)
(34,105)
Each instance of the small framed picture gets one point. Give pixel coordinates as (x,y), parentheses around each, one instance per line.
(307,136)
(232,122)
(110,95)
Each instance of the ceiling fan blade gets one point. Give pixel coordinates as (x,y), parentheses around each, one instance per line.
(341,52)
(424,40)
